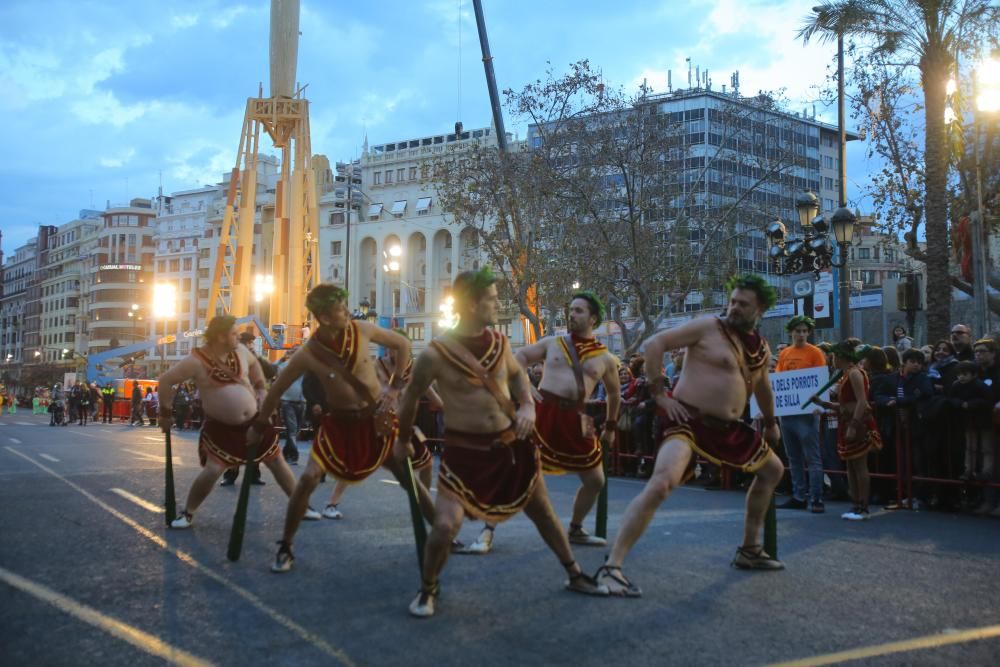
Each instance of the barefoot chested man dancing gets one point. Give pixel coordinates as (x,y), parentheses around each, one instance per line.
(423,460)
(354,438)
(566,435)
(231,384)
(726,360)
(490,467)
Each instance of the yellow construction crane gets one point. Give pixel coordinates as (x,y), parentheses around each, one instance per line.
(294,264)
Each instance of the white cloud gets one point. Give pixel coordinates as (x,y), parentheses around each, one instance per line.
(183,21)
(224,19)
(118,160)
(103,107)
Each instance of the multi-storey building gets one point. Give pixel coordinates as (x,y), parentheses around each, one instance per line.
(18,273)
(876,257)
(181,225)
(399,214)
(117,272)
(60,288)
(731,150)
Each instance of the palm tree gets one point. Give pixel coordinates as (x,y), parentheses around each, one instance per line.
(927,35)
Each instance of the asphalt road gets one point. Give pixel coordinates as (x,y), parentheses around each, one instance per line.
(90,575)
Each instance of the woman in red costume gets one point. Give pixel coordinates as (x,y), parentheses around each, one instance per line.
(857,433)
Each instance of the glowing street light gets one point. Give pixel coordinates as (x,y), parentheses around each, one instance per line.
(988,85)
(391,257)
(164,307)
(448,317)
(263,286)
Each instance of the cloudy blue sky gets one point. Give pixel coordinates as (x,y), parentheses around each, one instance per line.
(100,98)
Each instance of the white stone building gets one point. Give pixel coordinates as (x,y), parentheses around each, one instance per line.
(399,209)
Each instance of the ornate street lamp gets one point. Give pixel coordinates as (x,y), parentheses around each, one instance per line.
(843,221)
(807,205)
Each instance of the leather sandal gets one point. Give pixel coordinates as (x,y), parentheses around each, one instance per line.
(617,583)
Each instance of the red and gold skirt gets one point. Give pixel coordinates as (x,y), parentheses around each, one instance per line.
(347,446)
(723,443)
(228,443)
(562,443)
(491,474)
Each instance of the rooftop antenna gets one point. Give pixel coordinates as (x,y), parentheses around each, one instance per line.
(735,82)
(688,61)
(670,81)
(708,82)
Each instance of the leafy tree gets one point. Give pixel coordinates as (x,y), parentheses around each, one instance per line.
(644,207)
(898,47)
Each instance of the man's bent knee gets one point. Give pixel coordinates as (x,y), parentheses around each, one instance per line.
(593,478)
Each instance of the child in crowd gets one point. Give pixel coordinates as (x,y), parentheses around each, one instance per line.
(970,397)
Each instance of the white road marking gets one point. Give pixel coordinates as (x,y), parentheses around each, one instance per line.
(186,558)
(26,423)
(389,481)
(49,458)
(141,502)
(144,641)
(15,441)
(146,437)
(153,457)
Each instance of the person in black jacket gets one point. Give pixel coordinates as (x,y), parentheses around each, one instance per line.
(882,380)
(913,393)
(985,351)
(969,397)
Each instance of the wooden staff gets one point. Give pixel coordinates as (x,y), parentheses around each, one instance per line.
(171,500)
(833,380)
(601,520)
(416,516)
(240,518)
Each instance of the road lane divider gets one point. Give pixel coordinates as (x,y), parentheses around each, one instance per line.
(314,640)
(389,481)
(153,457)
(141,502)
(15,441)
(905,646)
(143,641)
(49,458)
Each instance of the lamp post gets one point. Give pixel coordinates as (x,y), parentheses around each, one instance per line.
(133,315)
(365,312)
(987,94)
(843,221)
(164,307)
(392,266)
(351,175)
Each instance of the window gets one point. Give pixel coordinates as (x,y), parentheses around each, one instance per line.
(400,175)
(415,330)
(447,242)
(175,265)
(399,208)
(374,211)
(413,173)
(187,263)
(335,248)
(337,218)
(423,206)
(827,162)
(388,176)
(828,183)
(377,178)
(864,253)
